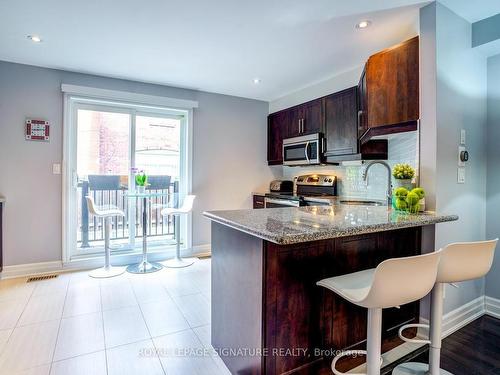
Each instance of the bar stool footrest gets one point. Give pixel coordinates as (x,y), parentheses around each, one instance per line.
(413,341)
(345,354)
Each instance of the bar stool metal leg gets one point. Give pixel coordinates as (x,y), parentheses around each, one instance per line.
(178,261)
(374,341)
(417,368)
(108,270)
(373,346)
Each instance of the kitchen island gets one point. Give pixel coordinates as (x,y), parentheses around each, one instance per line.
(268,315)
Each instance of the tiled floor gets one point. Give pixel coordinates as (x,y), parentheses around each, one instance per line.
(133,324)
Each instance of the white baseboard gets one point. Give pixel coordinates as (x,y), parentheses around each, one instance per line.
(461,316)
(19,270)
(492,306)
(22,270)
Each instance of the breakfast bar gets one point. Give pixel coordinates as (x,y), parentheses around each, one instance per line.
(268,314)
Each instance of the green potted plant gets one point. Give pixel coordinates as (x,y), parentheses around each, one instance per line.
(141,181)
(403,175)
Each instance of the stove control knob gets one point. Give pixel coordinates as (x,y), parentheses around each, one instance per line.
(330,180)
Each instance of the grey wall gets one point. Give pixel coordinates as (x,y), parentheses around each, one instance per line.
(486,30)
(229,142)
(459,89)
(493,184)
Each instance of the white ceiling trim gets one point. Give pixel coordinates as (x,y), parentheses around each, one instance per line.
(94,92)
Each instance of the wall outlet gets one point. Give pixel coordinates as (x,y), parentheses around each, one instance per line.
(462,137)
(56,168)
(461,175)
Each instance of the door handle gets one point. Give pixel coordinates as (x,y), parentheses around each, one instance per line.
(306,152)
(360,113)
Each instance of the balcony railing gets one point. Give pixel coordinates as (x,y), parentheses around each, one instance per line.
(111,190)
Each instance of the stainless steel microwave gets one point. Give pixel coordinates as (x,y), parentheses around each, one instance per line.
(303,150)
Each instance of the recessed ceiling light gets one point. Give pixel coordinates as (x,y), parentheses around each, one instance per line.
(257,81)
(35,38)
(363,24)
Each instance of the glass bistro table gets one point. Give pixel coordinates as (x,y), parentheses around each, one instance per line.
(145,266)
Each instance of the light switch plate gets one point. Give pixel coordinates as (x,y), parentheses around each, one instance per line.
(56,168)
(462,137)
(460,162)
(461,175)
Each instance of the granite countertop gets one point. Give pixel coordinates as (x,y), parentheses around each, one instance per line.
(292,225)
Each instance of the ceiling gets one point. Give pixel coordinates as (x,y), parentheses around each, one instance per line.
(216,46)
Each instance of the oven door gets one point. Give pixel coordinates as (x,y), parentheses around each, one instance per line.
(276,202)
(302,150)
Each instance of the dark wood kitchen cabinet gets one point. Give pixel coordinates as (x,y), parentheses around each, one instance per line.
(265,297)
(305,119)
(362,105)
(341,130)
(276,130)
(259,201)
(341,123)
(389,91)
(312,117)
(296,121)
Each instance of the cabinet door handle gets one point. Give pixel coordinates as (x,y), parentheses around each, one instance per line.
(300,125)
(360,113)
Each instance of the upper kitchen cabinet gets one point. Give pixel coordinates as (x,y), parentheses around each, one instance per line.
(305,119)
(300,120)
(277,125)
(312,117)
(341,130)
(389,91)
(341,123)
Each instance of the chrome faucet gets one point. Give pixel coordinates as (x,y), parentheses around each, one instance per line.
(389,182)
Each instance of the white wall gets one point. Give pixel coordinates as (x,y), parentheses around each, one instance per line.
(454,100)
(229,160)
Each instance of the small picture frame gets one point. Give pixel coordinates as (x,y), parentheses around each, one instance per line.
(37,130)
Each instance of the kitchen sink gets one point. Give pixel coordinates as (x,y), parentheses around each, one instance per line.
(362,203)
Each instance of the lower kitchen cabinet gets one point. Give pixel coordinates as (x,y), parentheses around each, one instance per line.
(258,201)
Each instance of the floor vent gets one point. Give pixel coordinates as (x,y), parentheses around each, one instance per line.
(40,278)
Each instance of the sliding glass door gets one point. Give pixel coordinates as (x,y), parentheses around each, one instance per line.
(110,143)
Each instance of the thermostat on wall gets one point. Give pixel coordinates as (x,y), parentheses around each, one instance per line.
(37,130)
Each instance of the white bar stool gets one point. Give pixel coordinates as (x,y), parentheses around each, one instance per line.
(459,262)
(187,206)
(107,213)
(393,283)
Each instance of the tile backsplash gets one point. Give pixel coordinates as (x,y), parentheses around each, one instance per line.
(403,148)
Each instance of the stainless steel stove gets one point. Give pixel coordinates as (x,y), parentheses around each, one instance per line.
(309,190)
